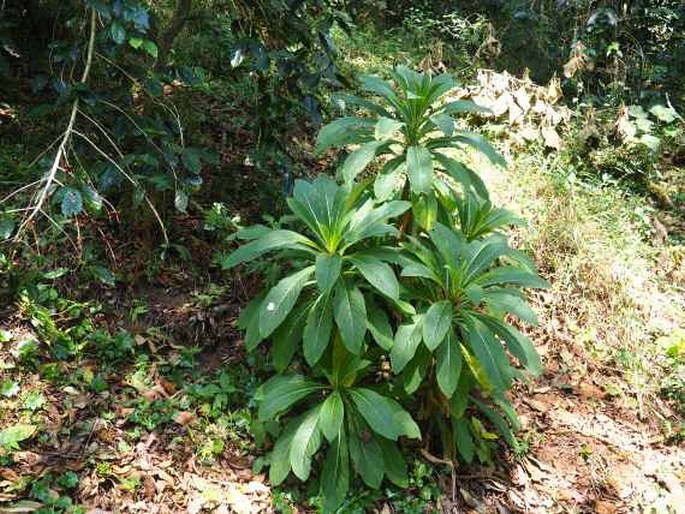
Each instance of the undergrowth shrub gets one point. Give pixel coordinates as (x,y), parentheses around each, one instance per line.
(389,321)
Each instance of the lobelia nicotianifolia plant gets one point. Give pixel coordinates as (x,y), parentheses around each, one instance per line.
(390,320)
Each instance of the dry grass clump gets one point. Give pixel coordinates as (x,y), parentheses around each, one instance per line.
(610,299)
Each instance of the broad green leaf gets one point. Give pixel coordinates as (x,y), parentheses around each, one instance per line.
(279,459)
(358,160)
(498,421)
(320,204)
(377,85)
(344,131)
(444,123)
(387,181)
(286,339)
(332,415)
(407,340)
(509,275)
(335,475)
(482,145)
(317,331)
(395,465)
(386,129)
(449,363)
(273,240)
(72,202)
(449,243)
(135,42)
(327,271)
(384,415)
(489,352)
(460,399)
(481,254)
(377,273)
(306,441)
(509,300)
(437,323)
(249,321)
(415,372)
(425,210)
(463,174)
(372,222)
(103,274)
(419,169)
(349,311)
(279,393)
(463,438)
(11,436)
(281,300)
(462,106)
(117,32)
(379,326)
(367,457)
(518,344)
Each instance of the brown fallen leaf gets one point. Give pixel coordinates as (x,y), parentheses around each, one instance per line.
(184,418)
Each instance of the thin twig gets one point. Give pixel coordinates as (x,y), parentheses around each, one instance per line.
(50,175)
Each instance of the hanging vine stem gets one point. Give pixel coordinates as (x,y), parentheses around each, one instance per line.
(50,177)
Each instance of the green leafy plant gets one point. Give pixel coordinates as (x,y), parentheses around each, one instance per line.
(414,132)
(365,358)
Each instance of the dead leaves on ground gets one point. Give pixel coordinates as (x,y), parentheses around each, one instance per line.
(530,110)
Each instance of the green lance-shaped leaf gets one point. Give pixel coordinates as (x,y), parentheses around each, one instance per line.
(379,326)
(358,160)
(482,145)
(386,128)
(279,459)
(489,353)
(286,338)
(317,330)
(367,457)
(509,300)
(437,323)
(419,169)
(377,273)
(281,392)
(306,441)
(281,300)
(449,364)
(395,465)
(463,438)
(349,310)
(343,132)
(407,340)
(332,416)
(327,271)
(509,275)
(384,415)
(335,475)
(273,240)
